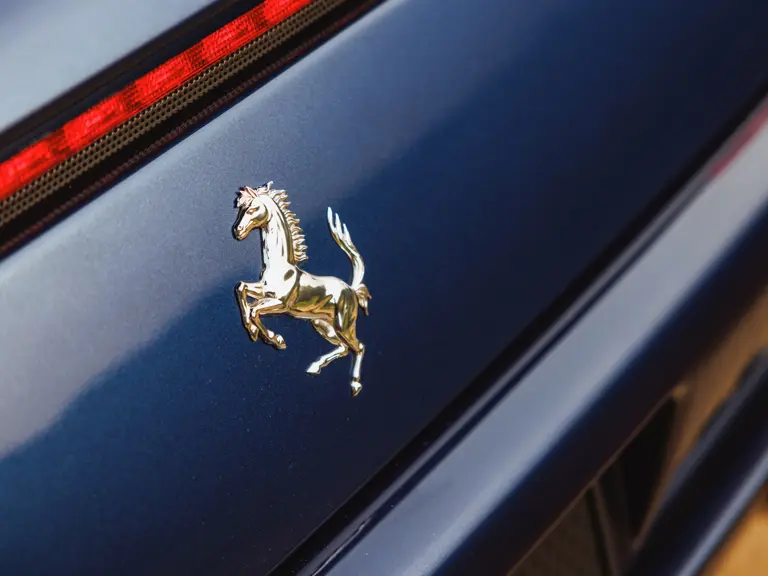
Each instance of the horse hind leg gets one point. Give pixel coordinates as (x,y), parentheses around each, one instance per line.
(357,362)
(349,336)
(326,330)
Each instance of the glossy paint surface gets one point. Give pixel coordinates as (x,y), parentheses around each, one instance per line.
(467,146)
(483,506)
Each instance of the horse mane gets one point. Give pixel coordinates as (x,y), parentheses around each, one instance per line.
(280,198)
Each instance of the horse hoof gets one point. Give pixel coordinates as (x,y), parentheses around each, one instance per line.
(279,342)
(356,388)
(253,333)
(314,369)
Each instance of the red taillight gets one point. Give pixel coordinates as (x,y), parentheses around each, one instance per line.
(56,147)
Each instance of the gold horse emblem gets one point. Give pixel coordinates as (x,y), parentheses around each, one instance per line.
(284,288)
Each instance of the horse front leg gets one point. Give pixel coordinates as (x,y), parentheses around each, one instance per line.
(264,307)
(243,291)
(326,330)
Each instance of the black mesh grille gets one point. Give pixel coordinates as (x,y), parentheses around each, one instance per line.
(571,549)
(81,176)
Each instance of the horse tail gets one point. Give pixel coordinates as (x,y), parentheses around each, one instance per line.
(343,239)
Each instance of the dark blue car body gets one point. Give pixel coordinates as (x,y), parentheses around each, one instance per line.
(556,235)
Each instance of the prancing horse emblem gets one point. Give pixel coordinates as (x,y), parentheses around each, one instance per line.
(284,288)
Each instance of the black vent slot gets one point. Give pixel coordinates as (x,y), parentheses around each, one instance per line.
(640,466)
(571,549)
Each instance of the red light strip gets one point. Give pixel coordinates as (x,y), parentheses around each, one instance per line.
(77,134)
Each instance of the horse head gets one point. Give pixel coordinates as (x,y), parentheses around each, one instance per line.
(252,212)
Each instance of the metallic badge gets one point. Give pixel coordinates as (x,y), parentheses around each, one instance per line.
(284,288)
